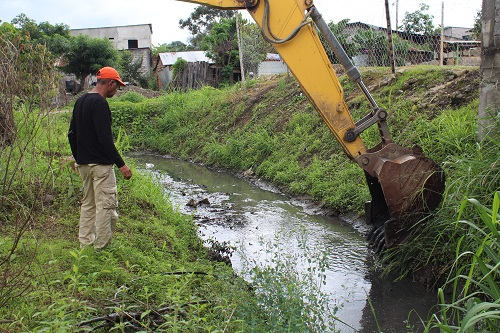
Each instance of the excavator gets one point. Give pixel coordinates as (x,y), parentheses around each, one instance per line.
(405,186)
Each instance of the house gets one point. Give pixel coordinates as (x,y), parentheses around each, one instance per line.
(201,70)
(272,65)
(462,52)
(133,38)
(457,33)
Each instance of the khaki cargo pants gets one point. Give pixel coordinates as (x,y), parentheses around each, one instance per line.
(98,214)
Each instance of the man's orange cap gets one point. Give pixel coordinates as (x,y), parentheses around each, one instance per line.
(109,73)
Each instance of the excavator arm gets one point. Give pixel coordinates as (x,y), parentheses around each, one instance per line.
(305,57)
(403,183)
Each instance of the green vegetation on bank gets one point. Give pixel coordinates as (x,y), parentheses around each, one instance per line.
(156,275)
(267,129)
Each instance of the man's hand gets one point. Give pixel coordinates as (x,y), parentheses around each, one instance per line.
(126,172)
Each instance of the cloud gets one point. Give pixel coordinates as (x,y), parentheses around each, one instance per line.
(164,15)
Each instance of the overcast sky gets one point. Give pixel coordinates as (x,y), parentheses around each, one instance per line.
(164,15)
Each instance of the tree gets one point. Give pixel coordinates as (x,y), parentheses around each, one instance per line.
(221,45)
(401,50)
(55,37)
(375,46)
(179,65)
(131,68)
(87,55)
(418,22)
(26,78)
(477,26)
(28,87)
(201,20)
(255,48)
(176,46)
(342,36)
(27,26)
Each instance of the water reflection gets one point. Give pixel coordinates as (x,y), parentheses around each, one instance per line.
(249,216)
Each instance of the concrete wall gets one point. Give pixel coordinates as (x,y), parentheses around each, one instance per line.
(145,55)
(133,38)
(489,94)
(121,36)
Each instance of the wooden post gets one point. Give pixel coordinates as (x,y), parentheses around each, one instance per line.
(389,37)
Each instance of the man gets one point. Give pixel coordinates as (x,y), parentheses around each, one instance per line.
(95,153)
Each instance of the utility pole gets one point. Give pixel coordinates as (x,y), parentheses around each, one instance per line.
(389,37)
(489,95)
(397,14)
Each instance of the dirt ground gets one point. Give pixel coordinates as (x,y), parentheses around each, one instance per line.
(459,87)
(64,99)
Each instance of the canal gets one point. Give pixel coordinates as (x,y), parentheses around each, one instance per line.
(261,224)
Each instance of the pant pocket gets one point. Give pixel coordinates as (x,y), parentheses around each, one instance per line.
(110,200)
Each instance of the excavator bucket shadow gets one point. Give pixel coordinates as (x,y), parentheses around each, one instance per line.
(404,189)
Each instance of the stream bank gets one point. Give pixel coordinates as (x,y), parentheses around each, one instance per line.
(256,219)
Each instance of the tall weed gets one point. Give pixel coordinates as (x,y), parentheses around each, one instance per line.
(289,287)
(475,285)
(27,90)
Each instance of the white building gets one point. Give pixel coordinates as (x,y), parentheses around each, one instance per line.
(133,38)
(272,65)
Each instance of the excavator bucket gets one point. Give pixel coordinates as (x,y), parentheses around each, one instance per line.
(405,186)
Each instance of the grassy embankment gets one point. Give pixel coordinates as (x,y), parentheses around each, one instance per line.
(155,276)
(270,130)
(265,128)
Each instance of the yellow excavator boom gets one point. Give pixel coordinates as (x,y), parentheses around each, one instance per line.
(403,183)
(306,59)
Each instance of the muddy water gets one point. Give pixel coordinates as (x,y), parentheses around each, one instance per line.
(251,215)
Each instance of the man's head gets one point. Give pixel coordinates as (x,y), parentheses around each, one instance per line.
(108,78)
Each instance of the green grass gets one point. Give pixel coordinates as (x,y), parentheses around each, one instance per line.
(277,136)
(273,133)
(156,262)
(475,301)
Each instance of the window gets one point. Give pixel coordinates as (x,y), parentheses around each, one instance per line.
(133,43)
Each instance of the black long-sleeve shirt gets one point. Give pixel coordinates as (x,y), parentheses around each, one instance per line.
(90,135)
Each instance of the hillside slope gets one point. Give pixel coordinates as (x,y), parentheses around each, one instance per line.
(269,129)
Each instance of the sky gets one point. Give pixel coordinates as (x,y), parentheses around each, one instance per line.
(164,15)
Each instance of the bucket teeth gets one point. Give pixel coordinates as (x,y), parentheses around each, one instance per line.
(377,239)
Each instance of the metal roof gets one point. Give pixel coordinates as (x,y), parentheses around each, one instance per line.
(169,58)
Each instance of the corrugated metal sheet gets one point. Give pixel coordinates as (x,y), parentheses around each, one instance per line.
(169,58)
